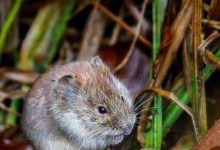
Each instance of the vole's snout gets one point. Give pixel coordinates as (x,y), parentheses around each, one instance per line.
(127,128)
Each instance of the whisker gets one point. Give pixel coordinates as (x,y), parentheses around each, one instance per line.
(85,140)
(137,107)
(147,109)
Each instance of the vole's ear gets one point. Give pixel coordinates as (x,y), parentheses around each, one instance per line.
(66,87)
(98,64)
(97,61)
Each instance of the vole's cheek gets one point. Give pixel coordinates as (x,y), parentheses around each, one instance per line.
(93,119)
(105,120)
(105,124)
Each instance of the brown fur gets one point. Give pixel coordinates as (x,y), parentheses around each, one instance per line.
(61,110)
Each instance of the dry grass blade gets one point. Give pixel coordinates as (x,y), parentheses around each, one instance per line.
(66,53)
(187,62)
(11,95)
(198,96)
(92,35)
(132,47)
(17,75)
(209,57)
(81,7)
(206,7)
(207,41)
(179,28)
(212,23)
(185,8)
(116,31)
(3,95)
(137,15)
(170,96)
(123,25)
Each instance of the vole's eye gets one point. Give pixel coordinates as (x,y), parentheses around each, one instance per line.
(102,110)
(122,98)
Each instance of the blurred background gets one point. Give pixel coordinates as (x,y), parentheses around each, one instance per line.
(169,47)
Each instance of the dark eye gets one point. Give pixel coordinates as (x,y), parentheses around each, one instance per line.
(102,110)
(122,98)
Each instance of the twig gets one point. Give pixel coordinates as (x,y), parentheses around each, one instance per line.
(116,31)
(123,25)
(137,15)
(132,47)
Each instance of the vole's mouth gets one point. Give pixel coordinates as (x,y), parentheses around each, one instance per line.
(117,138)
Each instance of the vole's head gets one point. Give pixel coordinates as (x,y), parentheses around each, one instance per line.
(93,106)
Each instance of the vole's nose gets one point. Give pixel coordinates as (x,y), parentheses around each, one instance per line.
(128,128)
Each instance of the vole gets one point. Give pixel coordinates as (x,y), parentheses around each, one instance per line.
(80,105)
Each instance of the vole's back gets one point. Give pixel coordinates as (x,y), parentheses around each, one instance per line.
(36,121)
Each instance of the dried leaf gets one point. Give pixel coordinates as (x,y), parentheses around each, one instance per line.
(18,75)
(211,139)
(133,75)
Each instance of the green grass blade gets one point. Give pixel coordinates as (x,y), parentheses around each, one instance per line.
(8,23)
(11,119)
(158,122)
(2,116)
(154,136)
(173,112)
(159,7)
(43,38)
(42,41)
(61,27)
